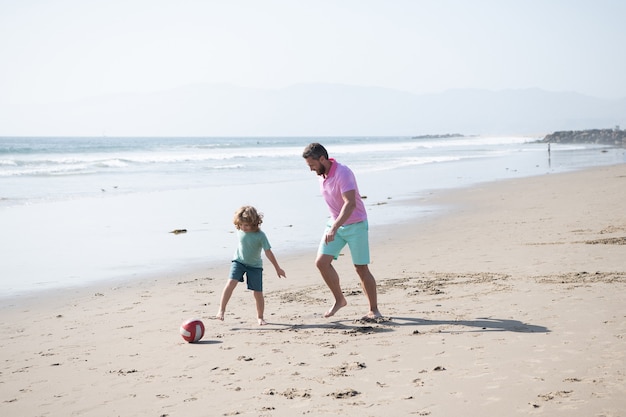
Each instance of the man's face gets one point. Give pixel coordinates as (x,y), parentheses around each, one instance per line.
(316,165)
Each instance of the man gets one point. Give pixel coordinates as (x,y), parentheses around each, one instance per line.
(347,225)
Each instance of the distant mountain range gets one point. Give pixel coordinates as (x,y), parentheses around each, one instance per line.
(315,110)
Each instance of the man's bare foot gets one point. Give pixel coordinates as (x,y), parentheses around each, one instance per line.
(262,322)
(372,315)
(220,315)
(336,307)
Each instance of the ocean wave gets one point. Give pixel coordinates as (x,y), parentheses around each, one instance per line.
(177,155)
(428,160)
(409,162)
(90,165)
(112,163)
(47,171)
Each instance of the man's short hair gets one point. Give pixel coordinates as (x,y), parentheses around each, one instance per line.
(315,151)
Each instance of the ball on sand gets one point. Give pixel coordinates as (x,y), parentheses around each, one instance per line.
(192,330)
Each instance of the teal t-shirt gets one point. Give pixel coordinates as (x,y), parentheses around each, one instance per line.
(250,246)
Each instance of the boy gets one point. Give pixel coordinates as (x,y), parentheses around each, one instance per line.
(247,260)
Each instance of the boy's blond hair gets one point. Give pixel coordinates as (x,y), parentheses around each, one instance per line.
(247,214)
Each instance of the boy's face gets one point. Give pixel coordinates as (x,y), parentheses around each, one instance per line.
(246,227)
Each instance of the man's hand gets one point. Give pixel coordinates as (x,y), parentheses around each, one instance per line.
(330,236)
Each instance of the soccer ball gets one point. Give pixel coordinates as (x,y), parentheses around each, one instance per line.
(192,330)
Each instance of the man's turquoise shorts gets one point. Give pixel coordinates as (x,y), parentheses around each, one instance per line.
(355,235)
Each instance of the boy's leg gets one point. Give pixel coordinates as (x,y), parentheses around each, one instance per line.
(260,306)
(226,294)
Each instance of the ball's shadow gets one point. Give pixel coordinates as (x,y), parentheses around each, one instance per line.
(206,342)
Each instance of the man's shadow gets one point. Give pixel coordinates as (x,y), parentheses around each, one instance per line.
(388,324)
(481,324)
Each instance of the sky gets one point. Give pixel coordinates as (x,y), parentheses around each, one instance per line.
(63,50)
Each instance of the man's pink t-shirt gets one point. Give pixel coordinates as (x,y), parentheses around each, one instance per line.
(339,180)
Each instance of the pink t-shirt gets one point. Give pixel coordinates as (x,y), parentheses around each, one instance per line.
(339,180)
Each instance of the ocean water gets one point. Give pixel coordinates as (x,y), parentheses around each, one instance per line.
(74,211)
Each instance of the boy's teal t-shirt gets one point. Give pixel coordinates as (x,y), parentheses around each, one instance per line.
(250,246)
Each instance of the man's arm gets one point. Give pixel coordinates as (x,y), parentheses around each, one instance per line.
(349,204)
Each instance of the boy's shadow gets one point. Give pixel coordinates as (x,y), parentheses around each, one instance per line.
(353,327)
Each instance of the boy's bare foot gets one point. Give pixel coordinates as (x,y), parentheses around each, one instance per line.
(220,315)
(262,322)
(336,307)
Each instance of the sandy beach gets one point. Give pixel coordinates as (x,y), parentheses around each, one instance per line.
(509,300)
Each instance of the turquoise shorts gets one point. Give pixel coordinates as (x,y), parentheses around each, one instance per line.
(354,235)
(254,275)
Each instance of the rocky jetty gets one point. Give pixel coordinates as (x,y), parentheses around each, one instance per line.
(613,137)
(443,136)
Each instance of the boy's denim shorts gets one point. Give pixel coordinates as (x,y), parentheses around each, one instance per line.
(254,275)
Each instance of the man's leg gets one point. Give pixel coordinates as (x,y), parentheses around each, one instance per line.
(368,283)
(324,264)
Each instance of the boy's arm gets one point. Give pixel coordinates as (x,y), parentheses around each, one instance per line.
(270,256)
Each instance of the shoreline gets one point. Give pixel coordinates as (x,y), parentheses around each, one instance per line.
(507,302)
(451,203)
(123,235)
